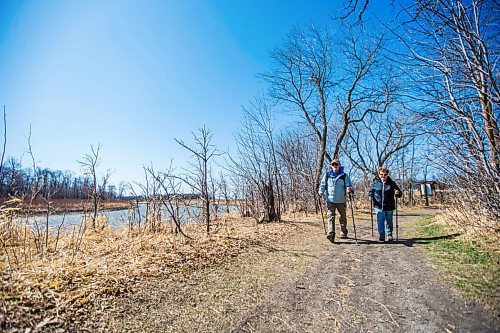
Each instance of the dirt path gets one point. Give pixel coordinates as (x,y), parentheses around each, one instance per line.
(304,284)
(368,287)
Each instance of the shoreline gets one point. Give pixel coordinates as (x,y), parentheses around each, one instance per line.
(60,206)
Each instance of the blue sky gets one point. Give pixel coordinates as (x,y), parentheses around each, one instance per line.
(134,75)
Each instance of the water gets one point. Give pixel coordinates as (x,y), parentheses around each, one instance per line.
(123,217)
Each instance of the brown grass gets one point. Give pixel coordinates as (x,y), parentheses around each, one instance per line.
(40,286)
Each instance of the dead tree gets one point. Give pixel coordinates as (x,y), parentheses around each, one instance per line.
(453,62)
(169,195)
(377,141)
(89,164)
(295,150)
(3,150)
(224,190)
(256,162)
(355,7)
(327,81)
(198,177)
(149,196)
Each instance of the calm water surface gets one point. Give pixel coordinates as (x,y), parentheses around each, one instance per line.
(117,218)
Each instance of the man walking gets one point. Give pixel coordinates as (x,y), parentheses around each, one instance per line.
(335,184)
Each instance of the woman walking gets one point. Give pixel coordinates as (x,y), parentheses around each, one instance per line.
(383,191)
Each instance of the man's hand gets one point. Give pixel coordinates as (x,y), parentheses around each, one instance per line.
(349,190)
(396,192)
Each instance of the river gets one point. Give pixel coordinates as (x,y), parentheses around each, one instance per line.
(116,218)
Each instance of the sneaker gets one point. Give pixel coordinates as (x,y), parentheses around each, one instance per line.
(331,237)
(344,236)
(390,239)
(381,239)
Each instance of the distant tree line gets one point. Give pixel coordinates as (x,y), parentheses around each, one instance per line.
(17,180)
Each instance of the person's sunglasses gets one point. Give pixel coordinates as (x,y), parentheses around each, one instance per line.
(335,164)
(382,174)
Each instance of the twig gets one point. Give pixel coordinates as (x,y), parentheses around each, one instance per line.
(283,321)
(386,309)
(341,276)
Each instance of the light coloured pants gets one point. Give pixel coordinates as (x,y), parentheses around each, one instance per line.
(330,214)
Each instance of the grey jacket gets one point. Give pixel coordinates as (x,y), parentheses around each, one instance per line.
(334,187)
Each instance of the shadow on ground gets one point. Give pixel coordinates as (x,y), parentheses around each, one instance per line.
(426,240)
(406,242)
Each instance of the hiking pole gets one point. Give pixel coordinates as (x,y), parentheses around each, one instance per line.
(322,217)
(352,213)
(371,211)
(397,226)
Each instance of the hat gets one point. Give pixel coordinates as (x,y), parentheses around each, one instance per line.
(335,161)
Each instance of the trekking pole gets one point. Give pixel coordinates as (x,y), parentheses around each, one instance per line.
(322,217)
(352,213)
(397,226)
(371,211)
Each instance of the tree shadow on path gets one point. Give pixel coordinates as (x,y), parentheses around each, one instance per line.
(426,240)
(406,242)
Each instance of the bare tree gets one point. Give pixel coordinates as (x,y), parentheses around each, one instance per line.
(295,149)
(199,177)
(329,81)
(135,215)
(257,162)
(377,140)
(453,61)
(18,181)
(35,190)
(122,186)
(151,196)
(224,190)
(89,163)
(3,149)
(103,184)
(353,7)
(169,194)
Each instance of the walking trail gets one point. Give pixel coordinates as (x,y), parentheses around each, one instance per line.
(308,284)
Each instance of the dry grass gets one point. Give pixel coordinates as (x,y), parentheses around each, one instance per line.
(40,287)
(43,289)
(213,298)
(469,224)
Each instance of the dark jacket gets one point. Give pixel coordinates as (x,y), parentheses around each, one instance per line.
(383,194)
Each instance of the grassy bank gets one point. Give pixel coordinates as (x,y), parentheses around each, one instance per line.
(468,261)
(47,284)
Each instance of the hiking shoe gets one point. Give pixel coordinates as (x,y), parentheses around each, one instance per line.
(381,239)
(331,237)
